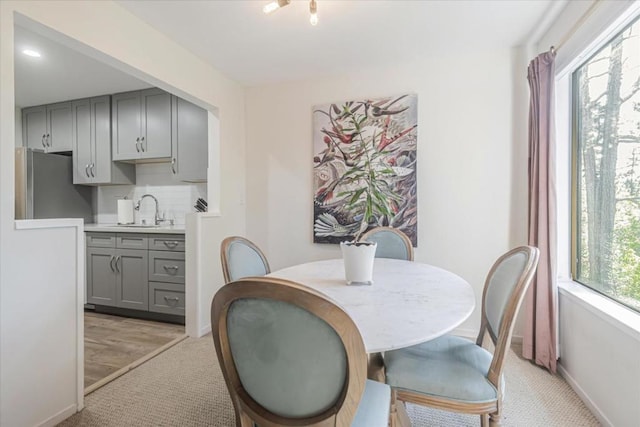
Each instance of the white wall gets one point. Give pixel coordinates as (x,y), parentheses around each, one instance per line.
(104,30)
(465,155)
(599,340)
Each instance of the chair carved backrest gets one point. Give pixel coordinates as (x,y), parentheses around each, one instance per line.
(289,355)
(504,290)
(392,243)
(242,258)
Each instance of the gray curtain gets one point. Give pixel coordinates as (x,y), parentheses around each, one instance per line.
(539,344)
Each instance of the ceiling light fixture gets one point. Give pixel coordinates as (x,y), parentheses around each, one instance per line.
(277,4)
(31,53)
(313,10)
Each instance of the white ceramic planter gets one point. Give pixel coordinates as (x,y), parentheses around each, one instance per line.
(358,262)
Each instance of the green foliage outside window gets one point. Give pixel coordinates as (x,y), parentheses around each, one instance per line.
(607,135)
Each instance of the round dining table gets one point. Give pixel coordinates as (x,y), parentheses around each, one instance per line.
(408,302)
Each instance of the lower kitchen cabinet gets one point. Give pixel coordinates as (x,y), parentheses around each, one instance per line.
(101,276)
(167,298)
(117,278)
(123,272)
(131,285)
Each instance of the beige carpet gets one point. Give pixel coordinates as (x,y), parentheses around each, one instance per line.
(184,387)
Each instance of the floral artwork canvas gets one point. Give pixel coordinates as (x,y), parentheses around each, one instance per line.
(364,162)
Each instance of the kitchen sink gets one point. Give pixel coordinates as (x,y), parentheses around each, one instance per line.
(138,225)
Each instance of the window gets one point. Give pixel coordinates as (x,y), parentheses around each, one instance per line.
(606,173)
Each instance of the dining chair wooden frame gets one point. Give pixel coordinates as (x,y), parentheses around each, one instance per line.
(490,412)
(400,234)
(247,410)
(224,257)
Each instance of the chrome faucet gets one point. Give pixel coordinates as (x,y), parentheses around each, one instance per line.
(157,218)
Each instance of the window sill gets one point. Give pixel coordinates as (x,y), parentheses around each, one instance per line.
(619,316)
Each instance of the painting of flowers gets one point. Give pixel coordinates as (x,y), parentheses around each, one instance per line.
(364,166)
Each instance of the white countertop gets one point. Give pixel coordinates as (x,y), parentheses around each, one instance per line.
(115,228)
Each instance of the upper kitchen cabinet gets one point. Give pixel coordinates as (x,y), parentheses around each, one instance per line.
(141,122)
(189,149)
(48,127)
(91,125)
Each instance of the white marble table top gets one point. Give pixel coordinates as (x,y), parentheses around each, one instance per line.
(408,303)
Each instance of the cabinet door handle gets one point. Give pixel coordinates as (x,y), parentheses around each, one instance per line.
(142,144)
(117,260)
(171,243)
(171,269)
(91,170)
(48,142)
(137,144)
(44,135)
(86,170)
(111,263)
(173,299)
(173,165)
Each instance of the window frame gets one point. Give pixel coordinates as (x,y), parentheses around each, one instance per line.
(576,157)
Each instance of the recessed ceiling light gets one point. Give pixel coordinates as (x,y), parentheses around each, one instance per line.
(32,53)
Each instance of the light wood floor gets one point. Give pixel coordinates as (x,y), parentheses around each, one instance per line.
(113,342)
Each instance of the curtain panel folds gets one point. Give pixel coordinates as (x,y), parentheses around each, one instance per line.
(539,343)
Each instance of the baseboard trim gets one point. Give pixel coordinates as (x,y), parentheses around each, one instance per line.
(59,417)
(204,331)
(602,418)
(106,380)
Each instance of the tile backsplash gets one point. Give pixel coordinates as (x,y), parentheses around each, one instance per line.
(175,199)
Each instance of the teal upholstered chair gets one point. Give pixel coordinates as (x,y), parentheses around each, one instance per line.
(242,258)
(292,357)
(456,374)
(392,243)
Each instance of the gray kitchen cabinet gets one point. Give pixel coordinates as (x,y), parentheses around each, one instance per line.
(101,276)
(141,123)
(132,279)
(190,141)
(165,266)
(91,125)
(167,298)
(117,276)
(136,271)
(48,127)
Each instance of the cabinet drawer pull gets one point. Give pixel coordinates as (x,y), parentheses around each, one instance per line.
(174,299)
(171,243)
(173,268)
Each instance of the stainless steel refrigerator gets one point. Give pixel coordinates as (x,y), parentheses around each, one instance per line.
(44,187)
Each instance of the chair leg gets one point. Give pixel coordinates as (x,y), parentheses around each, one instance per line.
(393,412)
(495,419)
(484,420)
